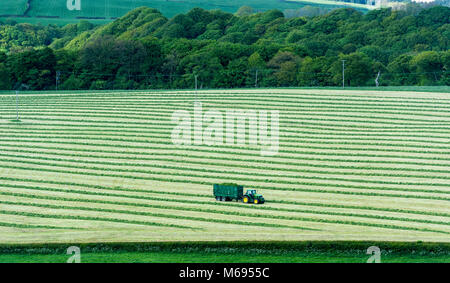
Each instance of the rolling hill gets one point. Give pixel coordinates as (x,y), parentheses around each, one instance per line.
(107,10)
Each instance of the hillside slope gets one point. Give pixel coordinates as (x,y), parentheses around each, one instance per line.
(110,9)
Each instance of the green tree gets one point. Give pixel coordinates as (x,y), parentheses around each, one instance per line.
(5,81)
(358,69)
(428,66)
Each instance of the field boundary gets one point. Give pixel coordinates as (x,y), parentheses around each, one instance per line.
(232,247)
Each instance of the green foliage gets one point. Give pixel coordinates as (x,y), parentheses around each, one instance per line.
(358,69)
(5,81)
(144,49)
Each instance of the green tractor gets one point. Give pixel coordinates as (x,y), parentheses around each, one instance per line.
(229,192)
(252,197)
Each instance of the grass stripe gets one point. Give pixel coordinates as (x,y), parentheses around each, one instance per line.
(209,163)
(73,217)
(284,119)
(159,215)
(225,158)
(266,99)
(84,185)
(231,179)
(237,213)
(155,133)
(163,109)
(204,170)
(306,219)
(286,143)
(399,125)
(30,226)
(170,146)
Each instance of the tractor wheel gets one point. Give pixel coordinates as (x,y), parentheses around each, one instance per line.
(217,198)
(245,199)
(256,201)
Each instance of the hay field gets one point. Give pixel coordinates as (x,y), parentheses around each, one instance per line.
(101,167)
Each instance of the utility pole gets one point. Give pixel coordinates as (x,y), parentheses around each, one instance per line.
(376,80)
(196,85)
(58,74)
(256,79)
(343,73)
(17,105)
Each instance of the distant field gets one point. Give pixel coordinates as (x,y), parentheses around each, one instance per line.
(335,3)
(107,9)
(101,167)
(13,7)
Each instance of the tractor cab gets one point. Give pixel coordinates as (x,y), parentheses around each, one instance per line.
(252,197)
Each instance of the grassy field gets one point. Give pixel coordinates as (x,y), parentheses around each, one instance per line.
(13,7)
(171,257)
(235,252)
(335,3)
(114,8)
(101,167)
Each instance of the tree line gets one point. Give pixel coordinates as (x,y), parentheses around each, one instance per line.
(145,50)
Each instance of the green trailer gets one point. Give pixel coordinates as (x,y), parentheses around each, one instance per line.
(230,192)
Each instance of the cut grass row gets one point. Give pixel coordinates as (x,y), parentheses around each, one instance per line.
(216,172)
(244,98)
(30,226)
(299,160)
(164,134)
(202,177)
(274,98)
(266,93)
(164,112)
(254,151)
(286,142)
(89,218)
(196,195)
(222,221)
(319,128)
(213,151)
(159,115)
(227,212)
(359,124)
(38,155)
(127,110)
(288,110)
(167,106)
(151,214)
(157,176)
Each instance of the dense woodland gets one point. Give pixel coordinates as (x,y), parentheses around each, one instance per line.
(145,50)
